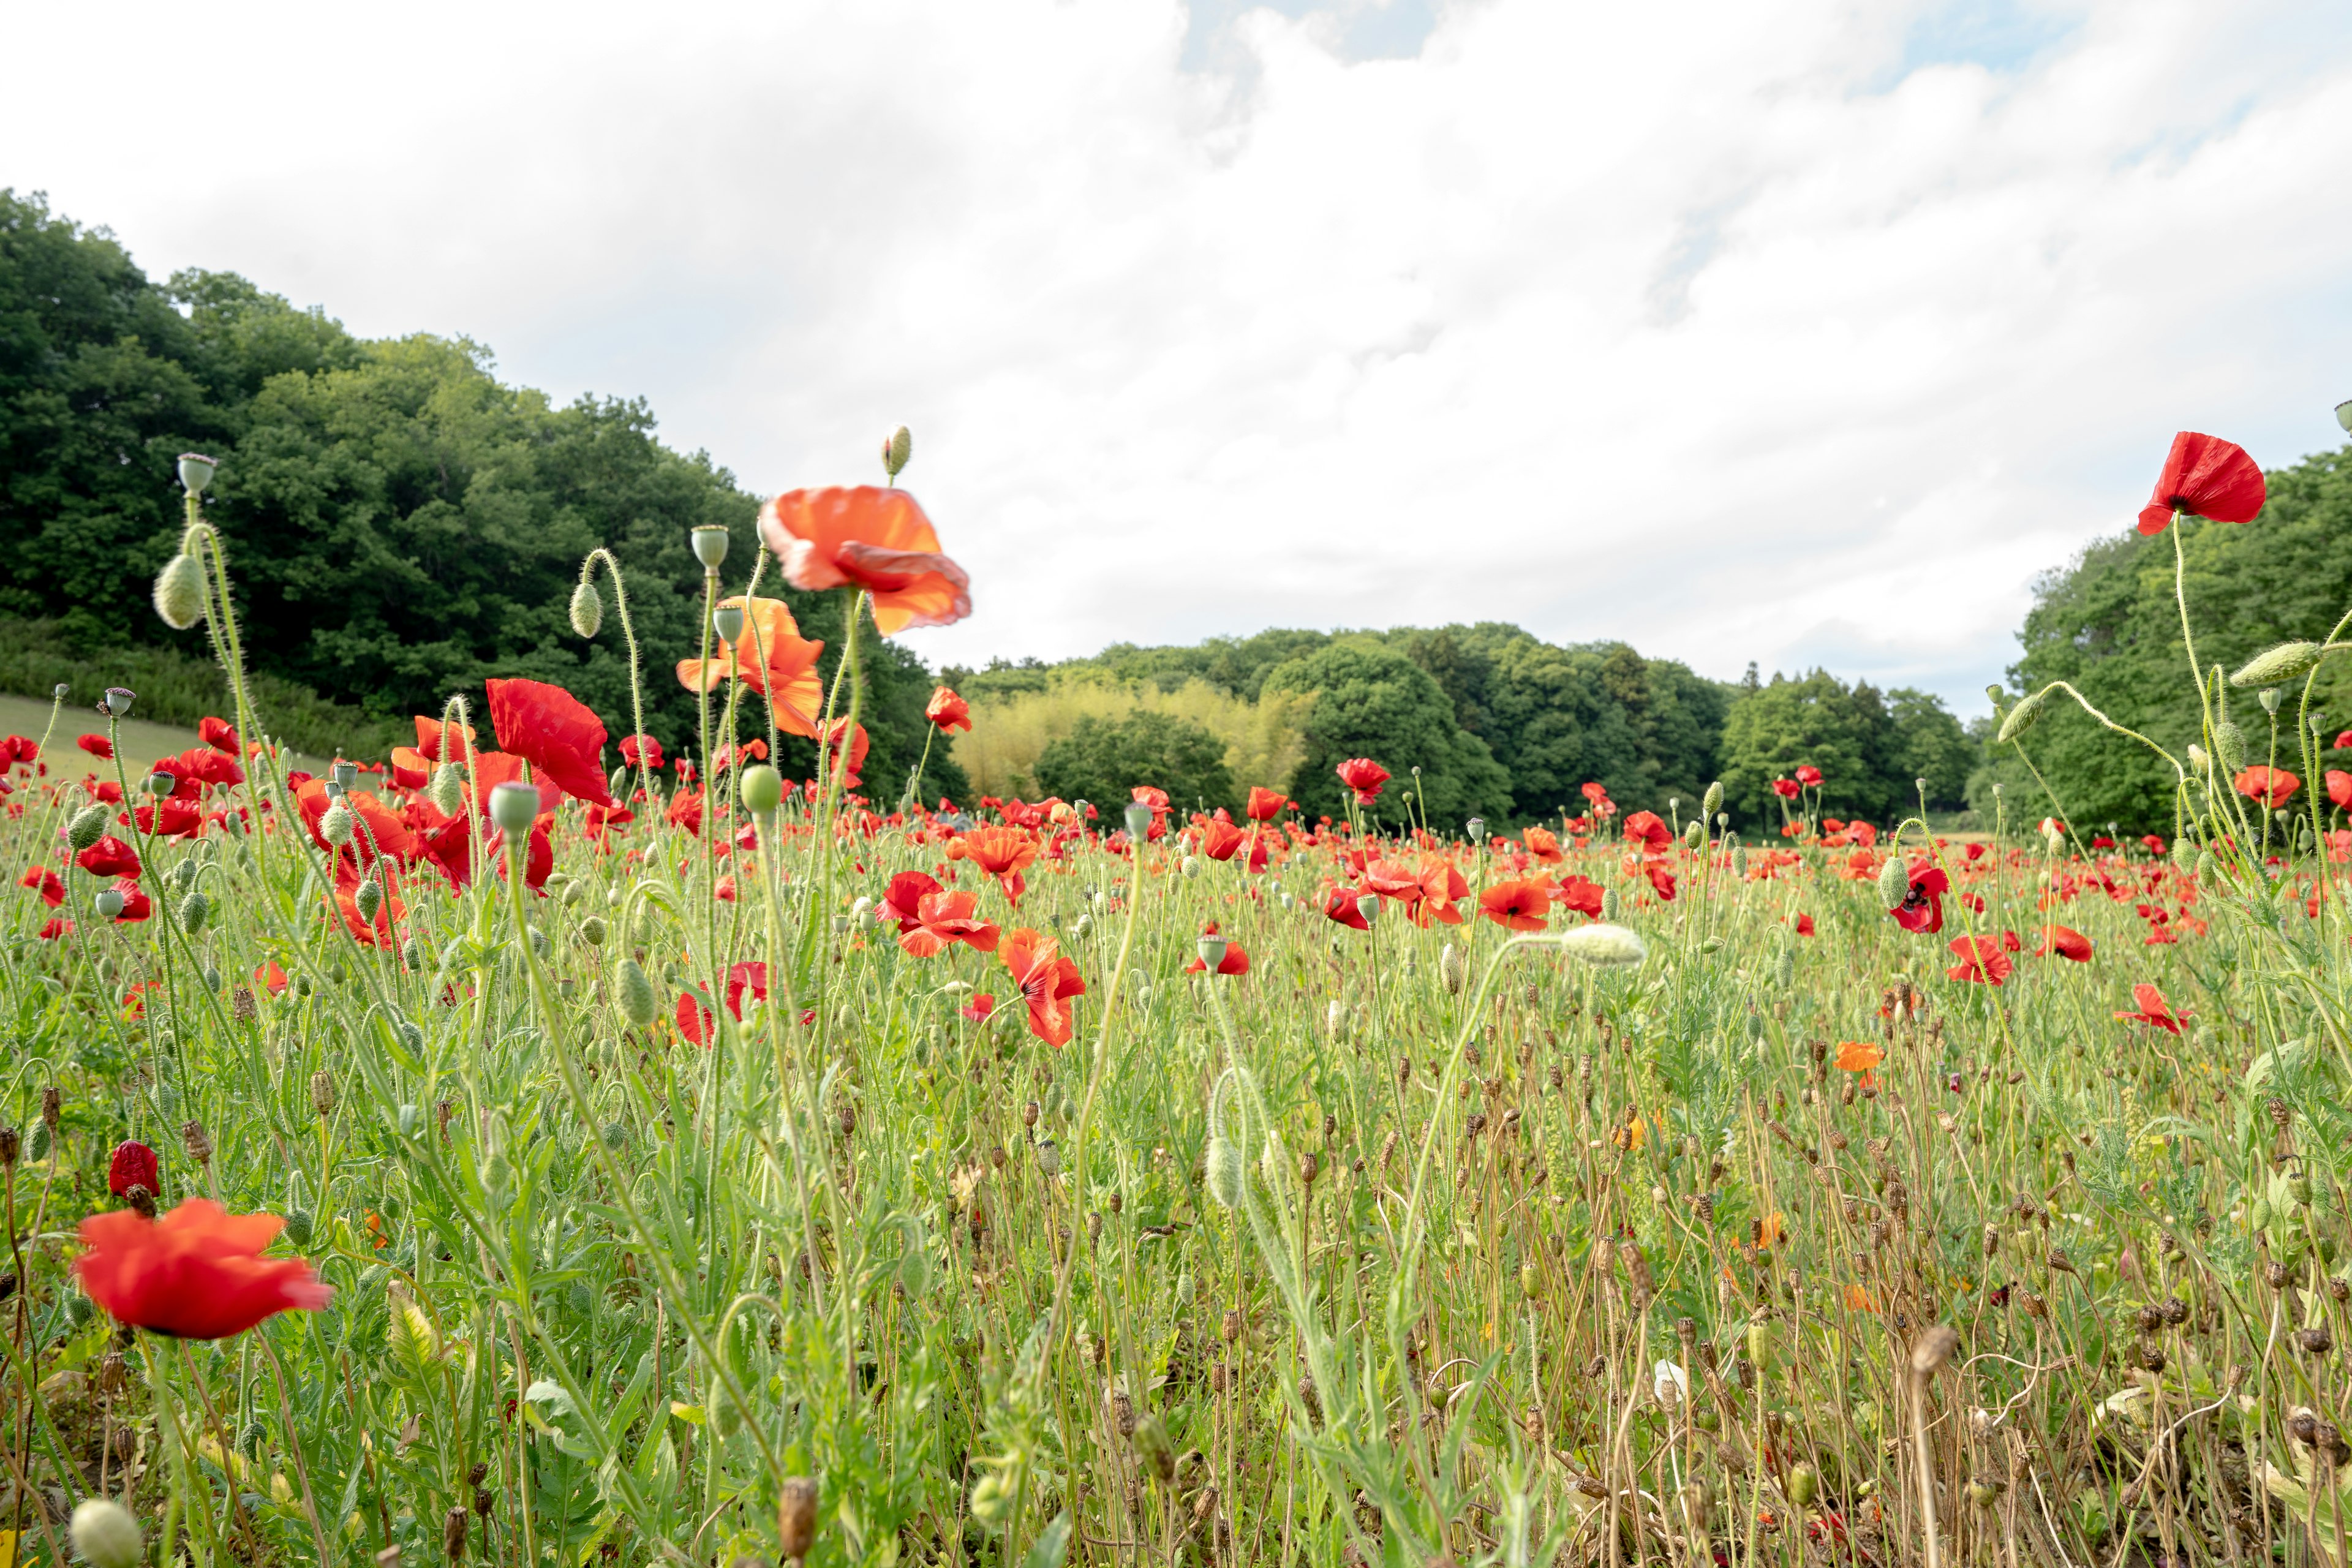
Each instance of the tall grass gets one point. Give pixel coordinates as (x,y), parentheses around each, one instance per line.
(1264,740)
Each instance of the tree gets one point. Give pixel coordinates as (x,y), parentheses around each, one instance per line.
(1102,761)
(1930,744)
(1845,732)
(1373,701)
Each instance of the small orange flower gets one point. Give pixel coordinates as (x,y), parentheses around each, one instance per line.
(771,658)
(1858,1056)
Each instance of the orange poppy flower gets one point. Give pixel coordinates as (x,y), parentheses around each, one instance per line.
(1544,845)
(945,916)
(1858,1056)
(1517,905)
(195,1274)
(863,537)
(2273,786)
(2153,1009)
(771,658)
(947,711)
(555,733)
(1003,853)
(829,736)
(1048,982)
(2064,943)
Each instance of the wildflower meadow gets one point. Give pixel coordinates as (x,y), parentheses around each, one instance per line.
(527,1147)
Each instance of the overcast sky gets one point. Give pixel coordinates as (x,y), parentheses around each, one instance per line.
(1789,330)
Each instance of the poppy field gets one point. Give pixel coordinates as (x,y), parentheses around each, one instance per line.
(529,1147)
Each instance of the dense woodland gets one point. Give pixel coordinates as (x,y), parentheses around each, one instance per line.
(405,524)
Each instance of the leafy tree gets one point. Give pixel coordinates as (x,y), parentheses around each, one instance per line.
(1845,732)
(1930,744)
(1101,760)
(1373,701)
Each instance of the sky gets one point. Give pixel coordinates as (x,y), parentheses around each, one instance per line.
(1799,332)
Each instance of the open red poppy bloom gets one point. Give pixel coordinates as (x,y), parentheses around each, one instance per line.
(2206,476)
(2153,1009)
(978,1009)
(1807,775)
(1219,840)
(1922,908)
(947,711)
(902,899)
(1544,845)
(46,883)
(1003,852)
(132,1165)
(96,745)
(1346,906)
(2062,941)
(1517,905)
(379,829)
(2273,786)
(864,537)
(1364,776)
(1582,894)
(1787,789)
(771,658)
(168,819)
(136,905)
(219,734)
(198,1273)
(22,749)
(1983,959)
(694,1019)
(110,856)
(1048,982)
(753,977)
(1266,804)
(1648,831)
(830,737)
(942,917)
(1597,797)
(641,751)
(2339,787)
(554,731)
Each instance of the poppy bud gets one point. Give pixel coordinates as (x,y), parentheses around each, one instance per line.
(635,994)
(1225,1172)
(763,789)
(587,609)
(726,621)
(335,827)
(367,899)
(1712,800)
(1138,821)
(2023,717)
(710,542)
(1695,835)
(194,912)
(2230,746)
(592,930)
(1804,1484)
(897,447)
(1611,905)
(1603,943)
(1451,969)
(87,828)
(2343,416)
(1894,883)
(513,806)
(795,1517)
(103,1531)
(180,592)
(2284,662)
(1739,863)
(447,790)
(118,699)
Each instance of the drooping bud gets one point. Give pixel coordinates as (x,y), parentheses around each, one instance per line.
(635,994)
(180,592)
(1611,905)
(192,913)
(897,447)
(2230,746)
(103,1531)
(1603,944)
(2285,662)
(447,790)
(1451,969)
(710,542)
(2184,852)
(87,828)
(1225,1172)
(2023,717)
(1894,883)
(587,609)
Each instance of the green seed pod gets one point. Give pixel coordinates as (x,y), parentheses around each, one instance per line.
(587,609)
(1224,1171)
(299,1226)
(1712,800)
(2287,661)
(635,993)
(367,899)
(87,827)
(897,447)
(592,930)
(2023,717)
(1894,883)
(2184,852)
(763,789)
(2229,746)
(193,912)
(1804,1484)
(180,592)
(2259,1216)
(1531,1282)
(513,809)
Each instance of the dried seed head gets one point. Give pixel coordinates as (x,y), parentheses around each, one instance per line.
(323,1094)
(1933,1349)
(52,1107)
(453,1535)
(200,1146)
(795,1517)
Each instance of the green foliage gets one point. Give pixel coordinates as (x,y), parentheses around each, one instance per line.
(1100,759)
(1871,748)
(2110,625)
(1373,701)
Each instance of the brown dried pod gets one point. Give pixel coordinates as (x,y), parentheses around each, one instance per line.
(796,1517)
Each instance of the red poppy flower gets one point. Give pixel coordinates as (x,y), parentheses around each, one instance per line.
(742,977)
(947,711)
(1544,845)
(46,883)
(1151,795)
(110,856)
(902,899)
(492,769)
(554,731)
(197,1274)
(219,734)
(96,745)
(1219,840)
(1648,831)
(2061,942)
(1266,804)
(1517,905)
(641,751)
(1804,925)
(2153,1009)
(18,749)
(1922,908)
(771,658)
(2339,787)
(432,734)
(136,905)
(978,1009)
(1807,775)
(859,742)
(450,848)
(1787,789)
(1003,852)
(1364,776)
(686,811)
(53,929)
(1346,906)
(694,1019)
(942,917)
(1235,961)
(171,819)
(1048,982)
(1597,796)
(1984,960)
(2273,786)
(864,537)
(409,768)
(380,830)
(2206,476)
(132,1165)
(1582,894)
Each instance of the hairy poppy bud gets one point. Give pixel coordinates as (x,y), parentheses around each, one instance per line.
(635,994)
(897,447)
(1712,800)
(763,789)
(1225,1172)
(192,913)
(592,930)
(710,542)
(87,828)
(367,899)
(2343,416)
(2230,746)
(1611,905)
(587,609)
(1894,883)
(1695,835)
(2284,662)
(104,1530)
(1452,970)
(447,790)
(335,827)
(180,592)
(2023,717)
(513,806)
(1603,944)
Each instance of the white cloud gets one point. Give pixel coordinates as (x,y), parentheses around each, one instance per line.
(1738,331)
